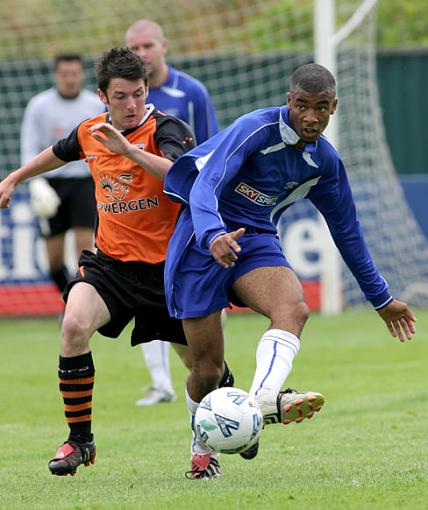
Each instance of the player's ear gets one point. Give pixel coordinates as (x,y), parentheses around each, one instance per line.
(165,46)
(288,98)
(334,106)
(102,97)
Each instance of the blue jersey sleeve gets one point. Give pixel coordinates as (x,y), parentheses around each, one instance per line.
(218,167)
(333,198)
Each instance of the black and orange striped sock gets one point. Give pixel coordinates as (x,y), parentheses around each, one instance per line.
(76,382)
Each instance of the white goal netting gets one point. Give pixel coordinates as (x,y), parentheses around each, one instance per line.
(395,239)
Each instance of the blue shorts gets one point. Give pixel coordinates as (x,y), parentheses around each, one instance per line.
(201,286)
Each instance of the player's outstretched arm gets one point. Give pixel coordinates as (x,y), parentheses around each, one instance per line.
(43,162)
(224,248)
(113,139)
(399,320)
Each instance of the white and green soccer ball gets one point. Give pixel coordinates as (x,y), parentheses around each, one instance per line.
(228,420)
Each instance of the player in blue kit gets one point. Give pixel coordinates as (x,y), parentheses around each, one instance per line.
(170,90)
(225,248)
(180,95)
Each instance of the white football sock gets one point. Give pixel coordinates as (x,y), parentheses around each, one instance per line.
(196,447)
(274,358)
(156,354)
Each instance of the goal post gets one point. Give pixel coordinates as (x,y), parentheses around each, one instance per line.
(331,299)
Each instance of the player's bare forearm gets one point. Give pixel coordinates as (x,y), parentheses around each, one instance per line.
(156,165)
(43,162)
(399,320)
(113,139)
(224,248)
(6,191)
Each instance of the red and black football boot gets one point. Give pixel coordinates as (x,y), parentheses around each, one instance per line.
(70,455)
(204,467)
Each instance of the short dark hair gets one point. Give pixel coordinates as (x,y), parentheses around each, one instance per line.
(67,57)
(119,63)
(313,78)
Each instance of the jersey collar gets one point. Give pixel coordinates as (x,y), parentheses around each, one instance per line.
(124,132)
(288,135)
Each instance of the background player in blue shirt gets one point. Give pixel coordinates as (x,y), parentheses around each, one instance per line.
(180,95)
(225,248)
(172,91)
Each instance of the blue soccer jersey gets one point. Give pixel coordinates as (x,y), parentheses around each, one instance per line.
(249,174)
(186,98)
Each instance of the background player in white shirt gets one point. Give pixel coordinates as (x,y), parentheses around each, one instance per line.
(63,200)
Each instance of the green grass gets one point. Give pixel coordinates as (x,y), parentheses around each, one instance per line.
(367,449)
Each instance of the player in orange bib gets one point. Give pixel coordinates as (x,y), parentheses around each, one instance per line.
(129,151)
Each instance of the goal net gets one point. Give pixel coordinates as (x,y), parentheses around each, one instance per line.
(244,51)
(395,239)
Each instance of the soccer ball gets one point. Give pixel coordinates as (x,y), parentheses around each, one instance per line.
(228,420)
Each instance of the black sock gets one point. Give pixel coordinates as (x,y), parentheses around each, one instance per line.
(227,378)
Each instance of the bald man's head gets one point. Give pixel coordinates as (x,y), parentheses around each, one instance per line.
(144,25)
(145,38)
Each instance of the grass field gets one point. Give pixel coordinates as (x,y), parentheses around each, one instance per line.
(367,449)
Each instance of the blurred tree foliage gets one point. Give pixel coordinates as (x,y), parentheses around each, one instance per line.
(403,23)
(40,28)
(400,23)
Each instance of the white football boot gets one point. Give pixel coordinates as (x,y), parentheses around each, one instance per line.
(288,406)
(156,396)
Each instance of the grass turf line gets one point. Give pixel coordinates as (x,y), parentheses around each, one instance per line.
(366,449)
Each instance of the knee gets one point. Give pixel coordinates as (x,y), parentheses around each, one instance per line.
(75,334)
(301,313)
(291,318)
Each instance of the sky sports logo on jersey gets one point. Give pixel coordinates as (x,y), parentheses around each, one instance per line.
(255,196)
